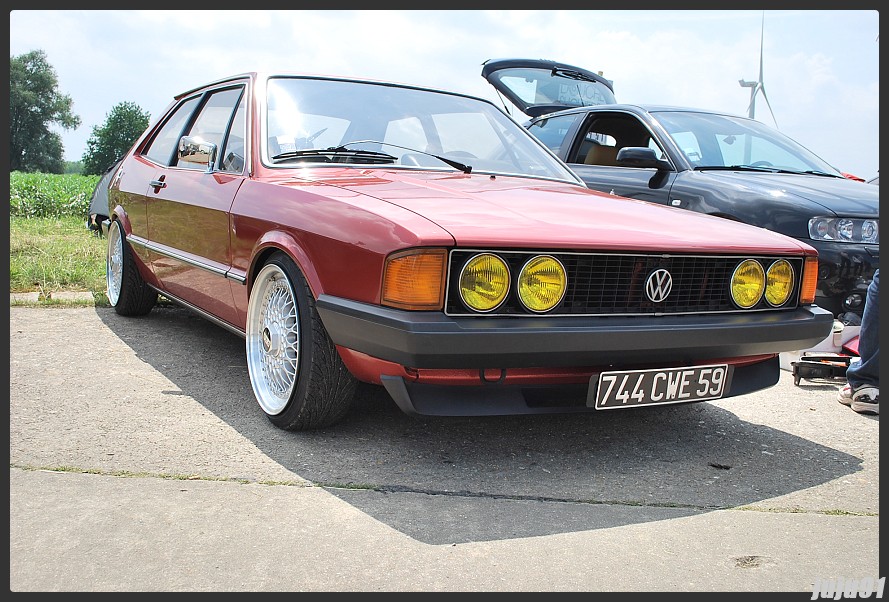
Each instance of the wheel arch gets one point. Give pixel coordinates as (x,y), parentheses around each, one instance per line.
(120,215)
(274,241)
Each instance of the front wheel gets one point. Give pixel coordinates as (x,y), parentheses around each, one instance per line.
(127,291)
(297,375)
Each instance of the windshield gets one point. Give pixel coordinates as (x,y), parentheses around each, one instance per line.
(417,127)
(718,141)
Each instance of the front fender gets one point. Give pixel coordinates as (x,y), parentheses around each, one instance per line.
(277,240)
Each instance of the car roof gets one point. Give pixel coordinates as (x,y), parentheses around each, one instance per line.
(262,75)
(640,109)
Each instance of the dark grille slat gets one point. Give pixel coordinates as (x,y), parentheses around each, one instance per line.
(614,284)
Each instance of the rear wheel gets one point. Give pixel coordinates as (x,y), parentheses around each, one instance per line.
(296,373)
(127,291)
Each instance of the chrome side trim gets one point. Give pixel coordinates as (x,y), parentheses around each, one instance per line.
(226,273)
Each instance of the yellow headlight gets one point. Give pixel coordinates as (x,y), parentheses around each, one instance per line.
(748,283)
(484,282)
(779,282)
(542,283)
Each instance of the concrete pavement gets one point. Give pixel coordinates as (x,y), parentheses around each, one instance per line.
(139,461)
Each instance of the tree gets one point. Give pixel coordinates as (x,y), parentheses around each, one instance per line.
(108,142)
(34,104)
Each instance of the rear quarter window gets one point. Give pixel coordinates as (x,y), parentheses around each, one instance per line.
(553,132)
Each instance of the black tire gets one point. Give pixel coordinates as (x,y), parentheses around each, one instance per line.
(127,291)
(297,375)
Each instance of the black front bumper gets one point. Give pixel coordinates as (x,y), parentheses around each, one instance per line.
(434,340)
(496,399)
(844,269)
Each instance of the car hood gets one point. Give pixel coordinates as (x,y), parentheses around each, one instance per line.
(480,210)
(827,196)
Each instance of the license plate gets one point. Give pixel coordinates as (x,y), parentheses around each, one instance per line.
(671,385)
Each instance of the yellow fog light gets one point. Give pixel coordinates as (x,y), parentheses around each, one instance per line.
(779,282)
(542,283)
(748,283)
(484,282)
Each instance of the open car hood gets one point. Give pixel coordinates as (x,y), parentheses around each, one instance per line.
(538,86)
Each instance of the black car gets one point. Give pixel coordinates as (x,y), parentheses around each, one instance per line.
(707,161)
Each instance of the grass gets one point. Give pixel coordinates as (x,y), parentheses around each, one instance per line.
(55,254)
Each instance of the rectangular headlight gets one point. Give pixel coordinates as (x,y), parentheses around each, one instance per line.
(845,229)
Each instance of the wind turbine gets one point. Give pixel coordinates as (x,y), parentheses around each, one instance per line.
(759,85)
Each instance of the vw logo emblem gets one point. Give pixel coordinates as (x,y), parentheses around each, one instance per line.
(658,285)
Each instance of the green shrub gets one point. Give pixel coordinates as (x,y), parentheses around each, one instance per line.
(50,195)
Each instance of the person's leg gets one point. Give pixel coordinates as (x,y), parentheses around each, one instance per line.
(864,376)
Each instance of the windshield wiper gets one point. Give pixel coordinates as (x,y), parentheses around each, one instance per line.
(765,169)
(451,162)
(737,168)
(570,73)
(815,172)
(327,153)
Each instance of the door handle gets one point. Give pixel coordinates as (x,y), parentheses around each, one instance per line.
(157,184)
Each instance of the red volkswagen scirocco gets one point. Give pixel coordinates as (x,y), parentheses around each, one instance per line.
(424,241)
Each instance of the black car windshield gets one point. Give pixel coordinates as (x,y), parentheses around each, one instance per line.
(307,113)
(724,141)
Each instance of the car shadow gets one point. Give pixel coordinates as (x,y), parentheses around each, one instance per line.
(454,479)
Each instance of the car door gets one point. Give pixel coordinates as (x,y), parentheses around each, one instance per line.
(188,207)
(593,157)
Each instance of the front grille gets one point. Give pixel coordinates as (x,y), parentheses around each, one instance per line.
(614,284)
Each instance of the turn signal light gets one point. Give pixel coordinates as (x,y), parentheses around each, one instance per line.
(810,281)
(415,279)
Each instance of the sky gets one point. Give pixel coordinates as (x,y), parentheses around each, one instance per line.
(820,67)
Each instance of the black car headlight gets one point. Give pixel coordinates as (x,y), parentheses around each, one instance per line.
(845,229)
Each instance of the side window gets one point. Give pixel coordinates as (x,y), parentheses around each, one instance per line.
(213,120)
(166,141)
(609,133)
(233,154)
(598,147)
(657,149)
(553,131)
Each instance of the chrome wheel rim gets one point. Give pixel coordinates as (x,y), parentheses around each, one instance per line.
(273,339)
(114,263)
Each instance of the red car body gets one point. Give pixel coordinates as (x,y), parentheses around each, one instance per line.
(202,236)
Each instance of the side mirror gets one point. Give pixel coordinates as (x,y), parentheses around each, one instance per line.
(195,150)
(641,156)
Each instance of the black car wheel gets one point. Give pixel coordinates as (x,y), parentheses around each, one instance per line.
(127,291)
(297,375)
